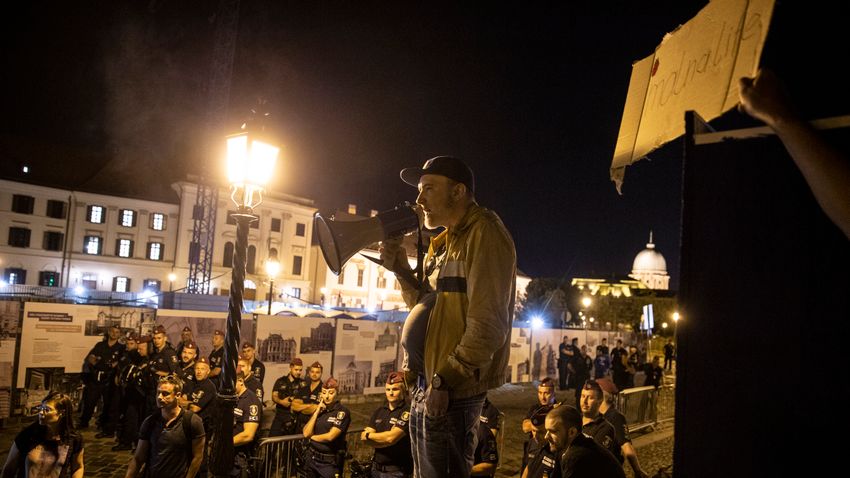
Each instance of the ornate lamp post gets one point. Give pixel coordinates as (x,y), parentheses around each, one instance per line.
(272,269)
(250,163)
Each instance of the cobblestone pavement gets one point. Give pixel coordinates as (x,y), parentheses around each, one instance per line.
(655,448)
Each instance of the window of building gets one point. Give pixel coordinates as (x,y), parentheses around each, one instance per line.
(19,237)
(272,253)
(48,278)
(294,292)
(22,204)
(227,261)
(53,241)
(382,281)
(158,221)
(124,248)
(96,214)
(90,281)
(359,277)
(55,209)
(127,218)
(155,251)
(93,245)
(300,229)
(275,224)
(121,284)
(14,275)
(341,277)
(249,261)
(296,265)
(153,285)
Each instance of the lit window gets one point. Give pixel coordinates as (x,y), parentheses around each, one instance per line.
(93,245)
(158,221)
(96,214)
(16,275)
(125,248)
(90,281)
(382,281)
(155,251)
(128,218)
(121,284)
(153,285)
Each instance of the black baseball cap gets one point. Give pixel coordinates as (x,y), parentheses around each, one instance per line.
(448,166)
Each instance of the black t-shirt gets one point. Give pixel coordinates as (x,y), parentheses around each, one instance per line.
(201,394)
(544,463)
(186,372)
(601,349)
(286,387)
(616,358)
(254,385)
(169,454)
(587,459)
(247,411)
(489,415)
(621,429)
(486,451)
(653,375)
(335,416)
(107,359)
(216,359)
(308,396)
(62,454)
(603,433)
(164,360)
(258,370)
(384,419)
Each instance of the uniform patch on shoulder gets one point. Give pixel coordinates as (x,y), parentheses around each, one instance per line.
(254,410)
(606,442)
(174,358)
(405,416)
(340,415)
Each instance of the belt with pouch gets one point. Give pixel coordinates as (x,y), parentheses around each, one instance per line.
(329,458)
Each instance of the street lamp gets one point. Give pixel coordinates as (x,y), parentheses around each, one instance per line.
(250,162)
(676,318)
(171,278)
(272,269)
(586,301)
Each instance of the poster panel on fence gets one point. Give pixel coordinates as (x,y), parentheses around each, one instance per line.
(518,364)
(203,324)
(55,338)
(282,338)
(365,355)
(9,328)
(544,353)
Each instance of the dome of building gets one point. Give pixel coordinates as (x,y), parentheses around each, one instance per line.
(649,260)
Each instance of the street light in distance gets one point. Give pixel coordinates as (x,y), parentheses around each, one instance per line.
(272,270)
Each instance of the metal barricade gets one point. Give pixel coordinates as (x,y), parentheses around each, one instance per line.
(282,457)
(646,407)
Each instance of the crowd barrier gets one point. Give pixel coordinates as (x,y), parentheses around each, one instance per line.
(646,407)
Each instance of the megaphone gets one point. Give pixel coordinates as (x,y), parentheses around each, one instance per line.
(339,240)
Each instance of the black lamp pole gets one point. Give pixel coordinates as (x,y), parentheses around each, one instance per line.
(221,450)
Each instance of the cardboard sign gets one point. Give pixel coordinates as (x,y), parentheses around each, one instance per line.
(696,68)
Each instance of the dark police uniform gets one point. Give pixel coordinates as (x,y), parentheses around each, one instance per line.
(186,372)
(255,386)
(308,396)
(133,382)
(98,378)
(395,460)
(621,429)
(323,459)
(247,411)
(258,370)
(486,451)
(216,360)
(602,432)
(531,445)
(544,464)
(285,422)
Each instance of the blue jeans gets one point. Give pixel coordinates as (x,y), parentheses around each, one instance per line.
(444,446)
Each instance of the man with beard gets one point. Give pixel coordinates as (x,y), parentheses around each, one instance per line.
(387,432)
(254,365)
(594,424)
(579,455)
(216,357)
(325,431)
(186,370)
(283,394)
(163,359)
(545,402)
(185,338)
(171,441)
(621,429)
(308,396)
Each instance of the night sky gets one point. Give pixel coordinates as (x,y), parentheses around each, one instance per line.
(113,97)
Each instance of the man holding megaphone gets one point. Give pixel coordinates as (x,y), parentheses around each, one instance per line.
(457,336)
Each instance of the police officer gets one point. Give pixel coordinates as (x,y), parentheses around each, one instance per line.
(388,432)
(486,457)
(135,381)
(186,370)
(100,365)
(542,460)
(283,394)
(216,357)
(257,368)
(593,423)
(251,381)
(325,432)
(163,357)
(199,394)
(545,402)
(308,396)
(246,423)
(185,338)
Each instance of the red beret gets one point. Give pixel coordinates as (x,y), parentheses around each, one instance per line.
(607,385)
(296,361)
(159,329)
(191,345)
(247,345)
(133,336)
(145,339)
(395,377)
(547,383)
(331,383)
(218,332)
(202,360)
